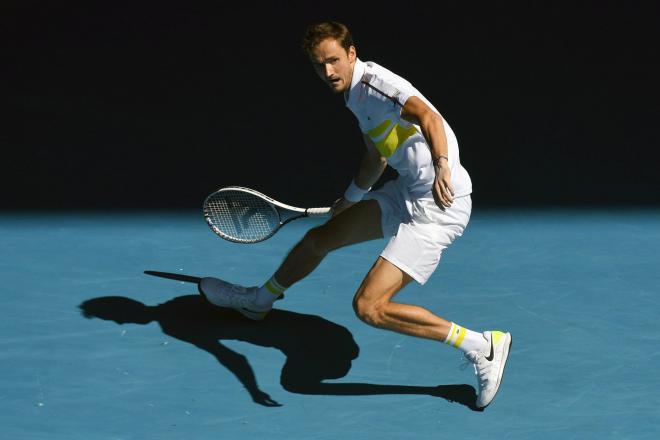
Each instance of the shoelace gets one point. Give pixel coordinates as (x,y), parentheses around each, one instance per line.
(481,367)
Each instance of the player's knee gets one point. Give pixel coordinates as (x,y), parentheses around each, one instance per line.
(369,312)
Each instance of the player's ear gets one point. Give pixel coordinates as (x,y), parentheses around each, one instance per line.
(352,54)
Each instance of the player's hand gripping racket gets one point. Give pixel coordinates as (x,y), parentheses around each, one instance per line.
(243,215)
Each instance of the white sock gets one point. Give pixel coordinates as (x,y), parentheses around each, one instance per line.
(466,340)
(269,292)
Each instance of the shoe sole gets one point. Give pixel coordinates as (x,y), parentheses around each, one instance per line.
(255,316)
(500,375)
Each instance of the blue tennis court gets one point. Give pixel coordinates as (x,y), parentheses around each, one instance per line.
(578,290)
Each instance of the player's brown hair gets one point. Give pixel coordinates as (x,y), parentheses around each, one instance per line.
(318,32)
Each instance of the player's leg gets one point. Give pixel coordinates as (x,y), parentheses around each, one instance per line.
(359,223)
(413,253)
(373,304)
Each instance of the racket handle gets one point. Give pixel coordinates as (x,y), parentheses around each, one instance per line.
(318,212)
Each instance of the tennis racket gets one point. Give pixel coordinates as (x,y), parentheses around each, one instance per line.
(243,215)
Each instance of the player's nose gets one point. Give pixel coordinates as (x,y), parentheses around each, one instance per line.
(328,70)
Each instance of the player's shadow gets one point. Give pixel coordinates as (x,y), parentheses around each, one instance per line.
(316,349)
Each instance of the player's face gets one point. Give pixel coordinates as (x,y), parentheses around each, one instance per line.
(334,64)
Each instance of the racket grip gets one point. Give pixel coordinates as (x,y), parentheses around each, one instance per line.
(318,212)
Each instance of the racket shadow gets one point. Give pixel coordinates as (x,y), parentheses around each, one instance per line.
(316,349)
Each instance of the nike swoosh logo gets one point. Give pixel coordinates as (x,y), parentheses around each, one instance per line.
(492,351)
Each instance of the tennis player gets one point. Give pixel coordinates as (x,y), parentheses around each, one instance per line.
(423,211)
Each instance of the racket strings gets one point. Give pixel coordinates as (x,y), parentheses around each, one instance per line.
(241,216)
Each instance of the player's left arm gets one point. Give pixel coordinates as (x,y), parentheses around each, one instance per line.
(417,112)
(371,168)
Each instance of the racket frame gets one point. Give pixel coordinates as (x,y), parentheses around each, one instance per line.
(285,213)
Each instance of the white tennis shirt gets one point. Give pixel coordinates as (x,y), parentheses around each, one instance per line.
(376,98)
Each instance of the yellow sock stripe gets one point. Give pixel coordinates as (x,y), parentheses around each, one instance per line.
(280,287)
(273,289)
(461,335)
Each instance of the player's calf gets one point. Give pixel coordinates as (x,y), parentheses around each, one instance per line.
(315,242)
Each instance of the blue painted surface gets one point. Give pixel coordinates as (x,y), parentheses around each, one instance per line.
(577,289)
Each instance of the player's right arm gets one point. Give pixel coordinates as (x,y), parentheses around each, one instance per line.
(372,165)
(371,168)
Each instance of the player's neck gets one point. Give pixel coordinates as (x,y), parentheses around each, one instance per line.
(347,92)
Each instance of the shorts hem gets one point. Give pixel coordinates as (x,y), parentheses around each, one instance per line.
(405,268)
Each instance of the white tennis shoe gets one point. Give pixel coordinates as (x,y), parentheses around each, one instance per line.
(489,367)
(223,294)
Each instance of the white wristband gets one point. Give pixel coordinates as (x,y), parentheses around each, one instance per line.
(354,193)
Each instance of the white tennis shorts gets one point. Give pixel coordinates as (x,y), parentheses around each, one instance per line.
(420,230)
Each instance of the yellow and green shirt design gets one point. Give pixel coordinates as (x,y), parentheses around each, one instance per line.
(377,100)
(388,136)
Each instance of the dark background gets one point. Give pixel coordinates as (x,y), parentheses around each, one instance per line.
(154,105)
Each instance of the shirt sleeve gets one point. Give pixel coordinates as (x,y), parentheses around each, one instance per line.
(394,88)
